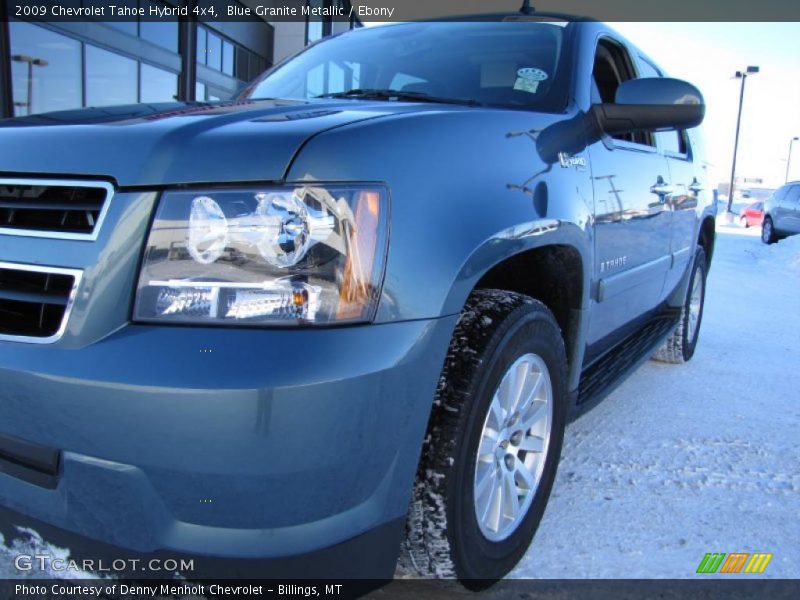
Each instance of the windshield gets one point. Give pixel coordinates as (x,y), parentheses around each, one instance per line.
(516,65)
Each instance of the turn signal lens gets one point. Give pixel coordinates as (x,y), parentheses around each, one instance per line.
(362,237)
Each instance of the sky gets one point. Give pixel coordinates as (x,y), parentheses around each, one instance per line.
(708,55)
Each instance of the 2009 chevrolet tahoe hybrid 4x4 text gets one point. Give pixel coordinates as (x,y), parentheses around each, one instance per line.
(347,314)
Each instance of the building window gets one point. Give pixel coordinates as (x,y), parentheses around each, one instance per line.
(242,65)
(162,33)
(210,49)
(214,52)
(313,31)
(227,58)
(157,85)
(110,78)
(202,49)
(318,28)
(45,70)
(257,66)
(223,55)
(57,68)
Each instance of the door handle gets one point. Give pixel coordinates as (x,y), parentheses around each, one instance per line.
(696,186)
(661,188)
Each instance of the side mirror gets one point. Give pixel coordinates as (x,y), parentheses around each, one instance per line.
(651,104)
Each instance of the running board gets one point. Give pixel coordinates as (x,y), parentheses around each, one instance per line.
(607,372)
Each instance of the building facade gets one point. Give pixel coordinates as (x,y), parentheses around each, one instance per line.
(59,66)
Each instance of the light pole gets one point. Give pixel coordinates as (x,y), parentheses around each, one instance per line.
(39,62)
(752,70)
(789,158)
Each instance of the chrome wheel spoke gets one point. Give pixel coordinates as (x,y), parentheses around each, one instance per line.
(536,412)
(532,443)
(485,481)
(507,391)
(510,496)
(527,477)
(490,434)
(491,515)
(496,411)
(521,378)
(486,449)
(532,393)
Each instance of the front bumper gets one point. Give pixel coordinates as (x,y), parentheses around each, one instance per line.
(370,556)
(229,443)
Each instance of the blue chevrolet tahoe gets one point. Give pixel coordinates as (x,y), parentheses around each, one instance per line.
(346,315)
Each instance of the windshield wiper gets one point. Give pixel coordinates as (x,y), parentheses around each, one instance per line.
(378,94)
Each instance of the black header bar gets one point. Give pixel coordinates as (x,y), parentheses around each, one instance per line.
(402,10)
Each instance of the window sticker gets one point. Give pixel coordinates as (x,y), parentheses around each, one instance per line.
(528,79)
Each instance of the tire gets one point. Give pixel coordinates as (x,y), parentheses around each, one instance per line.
(445,538)
(743,222)
(680,345)
(768,235)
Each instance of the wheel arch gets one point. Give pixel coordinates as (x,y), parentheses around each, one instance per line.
(549,261)
(707,238)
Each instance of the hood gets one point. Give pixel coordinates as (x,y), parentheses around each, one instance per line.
(176,143)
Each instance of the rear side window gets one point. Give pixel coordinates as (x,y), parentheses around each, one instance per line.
(778,195)
(793,195)
(612,66)
(671,142)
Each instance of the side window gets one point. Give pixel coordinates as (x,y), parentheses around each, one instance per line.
(778,196)
(612,66)
(793,195)
(672,142)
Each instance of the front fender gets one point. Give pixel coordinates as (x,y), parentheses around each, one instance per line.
(468,189)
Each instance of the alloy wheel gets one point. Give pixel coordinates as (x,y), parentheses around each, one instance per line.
(695,304)
(513,447)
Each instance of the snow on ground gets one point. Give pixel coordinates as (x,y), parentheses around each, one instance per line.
(29,543)
(687,459)
(681,460)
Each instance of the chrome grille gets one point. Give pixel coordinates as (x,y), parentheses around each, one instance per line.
(53,208)
(35,302)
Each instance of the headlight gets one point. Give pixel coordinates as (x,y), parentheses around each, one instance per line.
(273,255)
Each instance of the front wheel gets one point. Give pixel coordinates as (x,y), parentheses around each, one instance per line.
(493,443)
(680,346)
(743,222)
(768,235)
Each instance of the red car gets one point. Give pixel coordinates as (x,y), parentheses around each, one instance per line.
(752,214)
